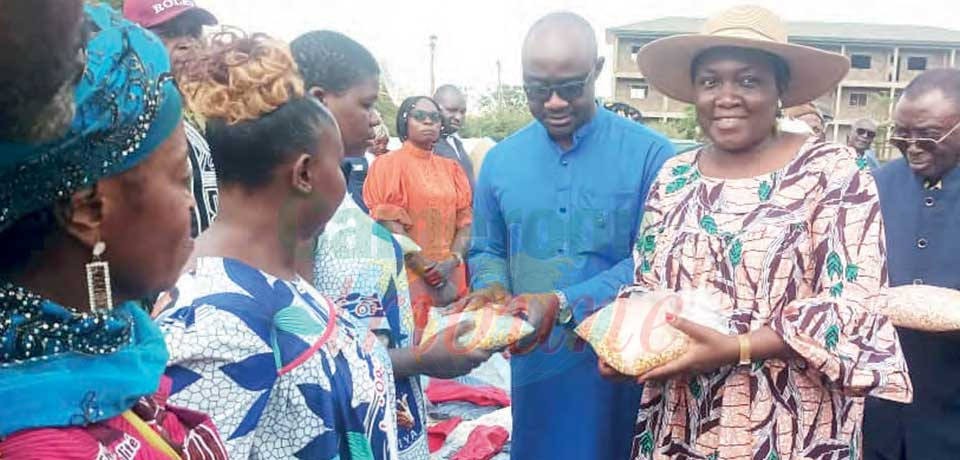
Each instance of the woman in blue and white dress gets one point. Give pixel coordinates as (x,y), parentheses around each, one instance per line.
(273,362)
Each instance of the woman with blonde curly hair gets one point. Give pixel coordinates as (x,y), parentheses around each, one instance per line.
(252,343)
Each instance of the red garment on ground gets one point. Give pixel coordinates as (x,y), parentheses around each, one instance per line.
(483,444)
(437,434)
(440,391)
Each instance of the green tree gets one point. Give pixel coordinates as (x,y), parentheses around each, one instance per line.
(685,128)
(498,114)
(387,108)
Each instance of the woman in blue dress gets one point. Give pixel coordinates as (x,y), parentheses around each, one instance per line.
(253,344)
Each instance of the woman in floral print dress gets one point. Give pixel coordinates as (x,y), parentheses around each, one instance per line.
(784,234)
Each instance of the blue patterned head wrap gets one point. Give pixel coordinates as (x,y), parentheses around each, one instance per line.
(127,105)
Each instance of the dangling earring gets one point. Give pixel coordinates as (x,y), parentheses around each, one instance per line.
(98,280)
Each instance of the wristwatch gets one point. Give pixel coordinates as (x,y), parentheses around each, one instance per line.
(564,312)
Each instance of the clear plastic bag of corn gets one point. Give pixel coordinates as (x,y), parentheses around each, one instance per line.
(493,330)
(923,308)
(632,334)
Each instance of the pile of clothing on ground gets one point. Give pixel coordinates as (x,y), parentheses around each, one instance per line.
(469,417)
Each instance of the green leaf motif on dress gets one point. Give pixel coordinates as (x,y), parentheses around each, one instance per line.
(709,225)
(359,446)
(832,337)
(714,456)
(862,163)
(853,272)
(646,443)
(676,185)
(649,243)
(736,253)
(765,191)
(773,454)
(680,170)
(836,290)
(834,265)
(757,365)
(645,267)
(695,388)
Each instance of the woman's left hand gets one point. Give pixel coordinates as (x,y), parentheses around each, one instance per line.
(447,267)
(708,350)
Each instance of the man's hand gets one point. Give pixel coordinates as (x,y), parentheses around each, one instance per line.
(540,310)
(495,294)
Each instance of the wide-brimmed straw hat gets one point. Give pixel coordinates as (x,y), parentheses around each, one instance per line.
(666,63)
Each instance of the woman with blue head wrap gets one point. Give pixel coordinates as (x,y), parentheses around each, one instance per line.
(80,361)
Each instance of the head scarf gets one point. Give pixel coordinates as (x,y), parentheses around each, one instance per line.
(59,367)
(126,106)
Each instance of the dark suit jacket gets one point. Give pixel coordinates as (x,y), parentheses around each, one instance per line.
(923,246)
(444,149)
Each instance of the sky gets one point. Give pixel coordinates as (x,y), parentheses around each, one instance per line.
(473,35)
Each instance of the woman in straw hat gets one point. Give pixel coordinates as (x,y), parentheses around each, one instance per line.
(784,234)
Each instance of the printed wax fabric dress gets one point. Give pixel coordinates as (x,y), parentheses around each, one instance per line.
(359,265)
(278,367)
(800,250)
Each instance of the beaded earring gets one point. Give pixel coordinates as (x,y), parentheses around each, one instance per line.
(98,280)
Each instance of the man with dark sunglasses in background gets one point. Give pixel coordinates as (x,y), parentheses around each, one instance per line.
(557,208)
(920,202)
(861,137)
(179,23)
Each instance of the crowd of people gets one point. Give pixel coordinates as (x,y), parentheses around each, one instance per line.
(210,252)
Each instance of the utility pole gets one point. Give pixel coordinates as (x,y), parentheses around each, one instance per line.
(433,69)
(499,85)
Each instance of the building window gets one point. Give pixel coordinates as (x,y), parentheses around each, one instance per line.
(634,50)
(860,61)
(917,63)
(638,91)
(858,99)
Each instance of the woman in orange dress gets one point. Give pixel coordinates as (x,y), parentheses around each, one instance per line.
(427,197)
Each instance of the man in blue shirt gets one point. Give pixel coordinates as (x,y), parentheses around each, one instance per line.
(556,211)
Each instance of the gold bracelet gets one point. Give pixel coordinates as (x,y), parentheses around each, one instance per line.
(744,340)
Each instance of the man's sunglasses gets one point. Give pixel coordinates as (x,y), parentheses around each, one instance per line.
(866,133)
(923,143)
(568,91)
(423,115)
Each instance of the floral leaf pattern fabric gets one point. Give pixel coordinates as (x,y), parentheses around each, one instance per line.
(360,266)
(281,371)
(800,251)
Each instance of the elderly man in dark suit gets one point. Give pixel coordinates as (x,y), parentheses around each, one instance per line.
(920,200)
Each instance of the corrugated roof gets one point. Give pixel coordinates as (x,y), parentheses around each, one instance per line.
(811,31)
